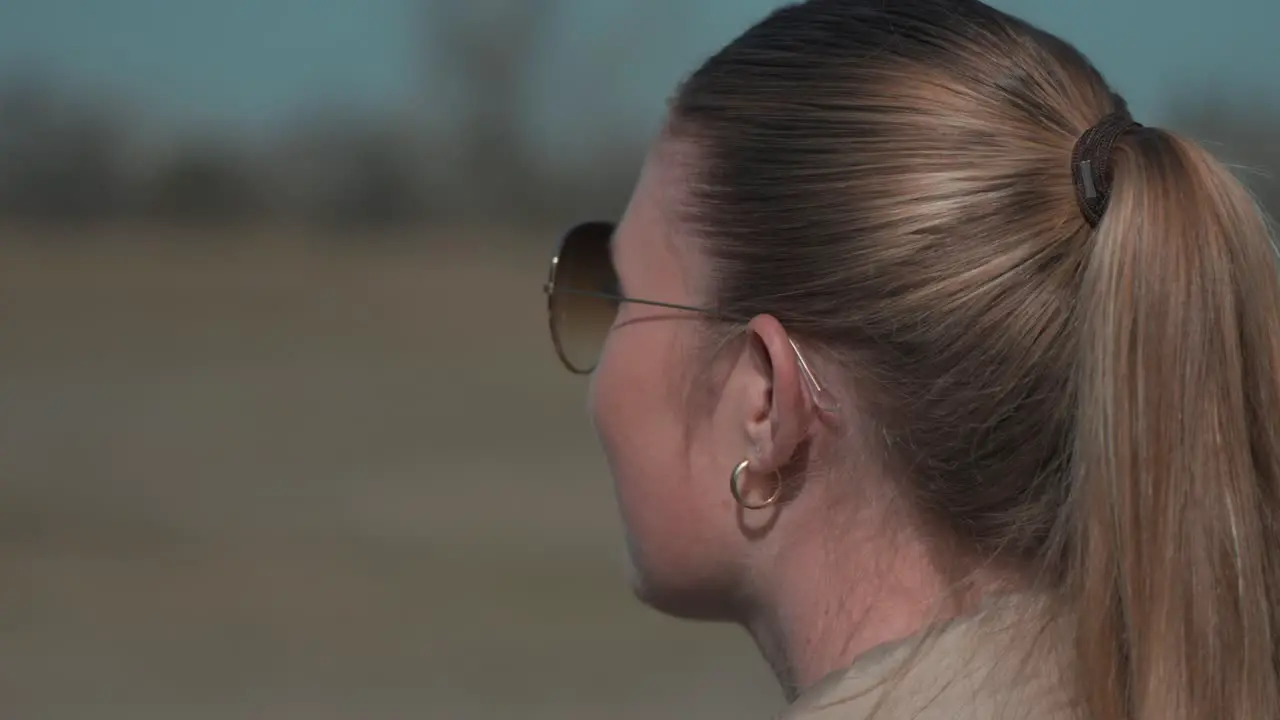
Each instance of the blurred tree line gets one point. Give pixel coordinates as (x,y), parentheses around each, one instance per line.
(75,162)
(68,158)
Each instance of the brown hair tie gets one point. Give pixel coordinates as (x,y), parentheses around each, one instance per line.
(1091,163)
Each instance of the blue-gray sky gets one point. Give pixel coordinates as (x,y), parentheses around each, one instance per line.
(244,65)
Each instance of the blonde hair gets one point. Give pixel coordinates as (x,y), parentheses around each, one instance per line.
(1095,406)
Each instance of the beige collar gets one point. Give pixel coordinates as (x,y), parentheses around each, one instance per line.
(1002,663)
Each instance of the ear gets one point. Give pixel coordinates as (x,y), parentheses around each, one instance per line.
(777,418)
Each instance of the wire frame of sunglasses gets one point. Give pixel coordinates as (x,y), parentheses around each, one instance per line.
(583,302)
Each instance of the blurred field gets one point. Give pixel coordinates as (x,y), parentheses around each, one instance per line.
(289,480)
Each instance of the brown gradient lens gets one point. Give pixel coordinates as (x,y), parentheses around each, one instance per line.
(584,295)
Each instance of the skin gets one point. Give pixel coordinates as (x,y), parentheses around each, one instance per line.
(831,572)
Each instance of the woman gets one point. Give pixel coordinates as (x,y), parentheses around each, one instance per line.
(954,386)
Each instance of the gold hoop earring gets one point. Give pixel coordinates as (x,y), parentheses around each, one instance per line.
(735,478)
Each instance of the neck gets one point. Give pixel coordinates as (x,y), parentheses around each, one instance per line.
(816,610)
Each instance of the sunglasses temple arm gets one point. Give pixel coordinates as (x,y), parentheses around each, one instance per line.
(821,398)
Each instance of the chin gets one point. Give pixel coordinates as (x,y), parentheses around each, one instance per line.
(679,595)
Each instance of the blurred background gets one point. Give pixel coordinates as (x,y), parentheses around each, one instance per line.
(281,432)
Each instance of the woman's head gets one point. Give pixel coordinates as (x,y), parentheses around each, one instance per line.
(891,187)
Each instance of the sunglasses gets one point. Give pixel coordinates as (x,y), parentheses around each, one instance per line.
(583,299)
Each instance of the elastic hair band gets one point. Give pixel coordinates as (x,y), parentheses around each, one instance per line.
(1091,163)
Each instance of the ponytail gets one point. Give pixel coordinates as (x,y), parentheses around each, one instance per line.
(1176,500)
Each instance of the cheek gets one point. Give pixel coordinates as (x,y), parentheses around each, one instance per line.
(640,430)
(671,518)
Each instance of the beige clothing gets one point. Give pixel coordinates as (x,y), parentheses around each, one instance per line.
(1000,664)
